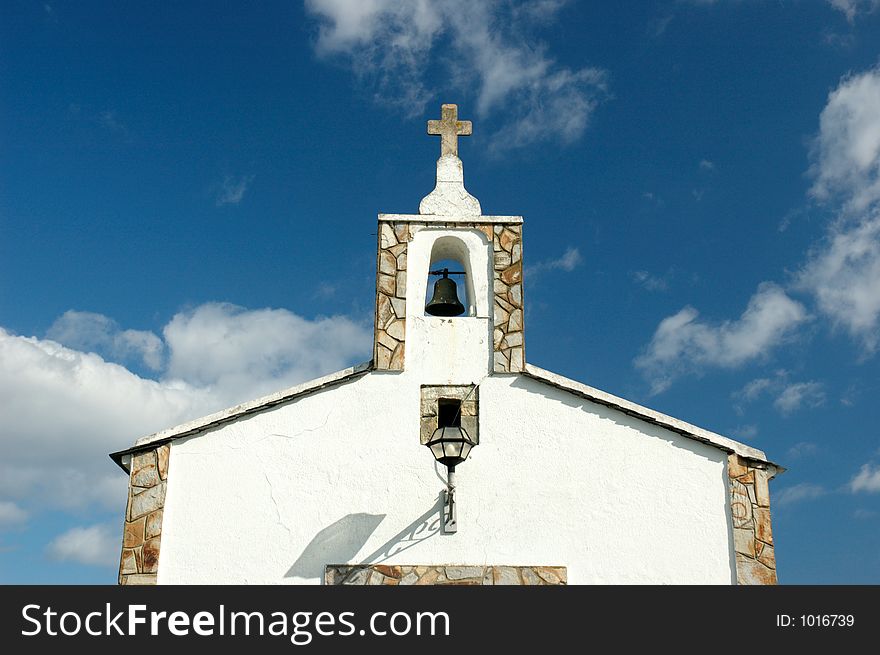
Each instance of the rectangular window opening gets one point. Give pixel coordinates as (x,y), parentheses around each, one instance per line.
(448,413)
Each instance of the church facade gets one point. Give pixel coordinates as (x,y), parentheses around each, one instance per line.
(448,458)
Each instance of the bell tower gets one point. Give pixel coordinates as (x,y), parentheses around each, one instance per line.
(417,328)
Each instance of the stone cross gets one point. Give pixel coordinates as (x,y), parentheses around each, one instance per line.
(449,128)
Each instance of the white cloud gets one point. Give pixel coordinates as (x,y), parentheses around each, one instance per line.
(241,354)
(851,8)
(790,396)
(682,344)
(232,189)
(846,152)
(867,479)
(480,45)
(843,274)
(568,261)
(64,410)
(92,332)
(10,513)
(795,395)
(799,492)
(95,545)
(706,165)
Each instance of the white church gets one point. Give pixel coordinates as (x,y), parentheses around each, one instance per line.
(447,458)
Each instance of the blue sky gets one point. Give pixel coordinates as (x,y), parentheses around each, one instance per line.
(188,200)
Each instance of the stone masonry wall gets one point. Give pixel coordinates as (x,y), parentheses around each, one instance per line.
(390,325)
(508,337)
(750,512)
(142,534)
(379,574)
(430,395)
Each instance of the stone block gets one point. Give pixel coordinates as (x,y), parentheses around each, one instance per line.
(736,466)
(387,341)
(386,236)
(512,339)
(162,455)
(133,533)
(502,302)
(396,329)
(151,555)
(144,471)
(386,284)
(383,357)
(153,527)
(501,315)
(426,429)
(401,261)
(401,284)
(529,577)
(128,563)
(500,288)
(486,229)
(396,363)
(149,501)
(429,577)
(762,489)
(463,572)
(497,338)
(401,232)
(514,296)
(762,524)
(387,263)
(140,579)
(744,541)
(516,321)
(506,575)
(516,252)
(517,360)
(767,555)
(145,476)
(752,572)
(398,305)
(502,364)
(502,260)
(497,229)
(513,274)
(384,311)
(552,575)
(507,239)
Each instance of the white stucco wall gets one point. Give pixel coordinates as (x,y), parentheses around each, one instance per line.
(339,476)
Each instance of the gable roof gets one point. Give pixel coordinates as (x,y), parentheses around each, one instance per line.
(572,386)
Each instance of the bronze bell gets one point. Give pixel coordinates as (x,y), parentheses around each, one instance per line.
(445,301)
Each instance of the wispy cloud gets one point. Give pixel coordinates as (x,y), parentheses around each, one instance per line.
(10,513)
(788,396)
(798,493)
(568,261)
(802,449)
(94,545)
(92,332)
(852,8)
(706,165)
(683,344)
(867,479)
(651,282)
(480,45)
(232,189)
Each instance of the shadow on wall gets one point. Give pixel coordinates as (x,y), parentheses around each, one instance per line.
(339,542)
